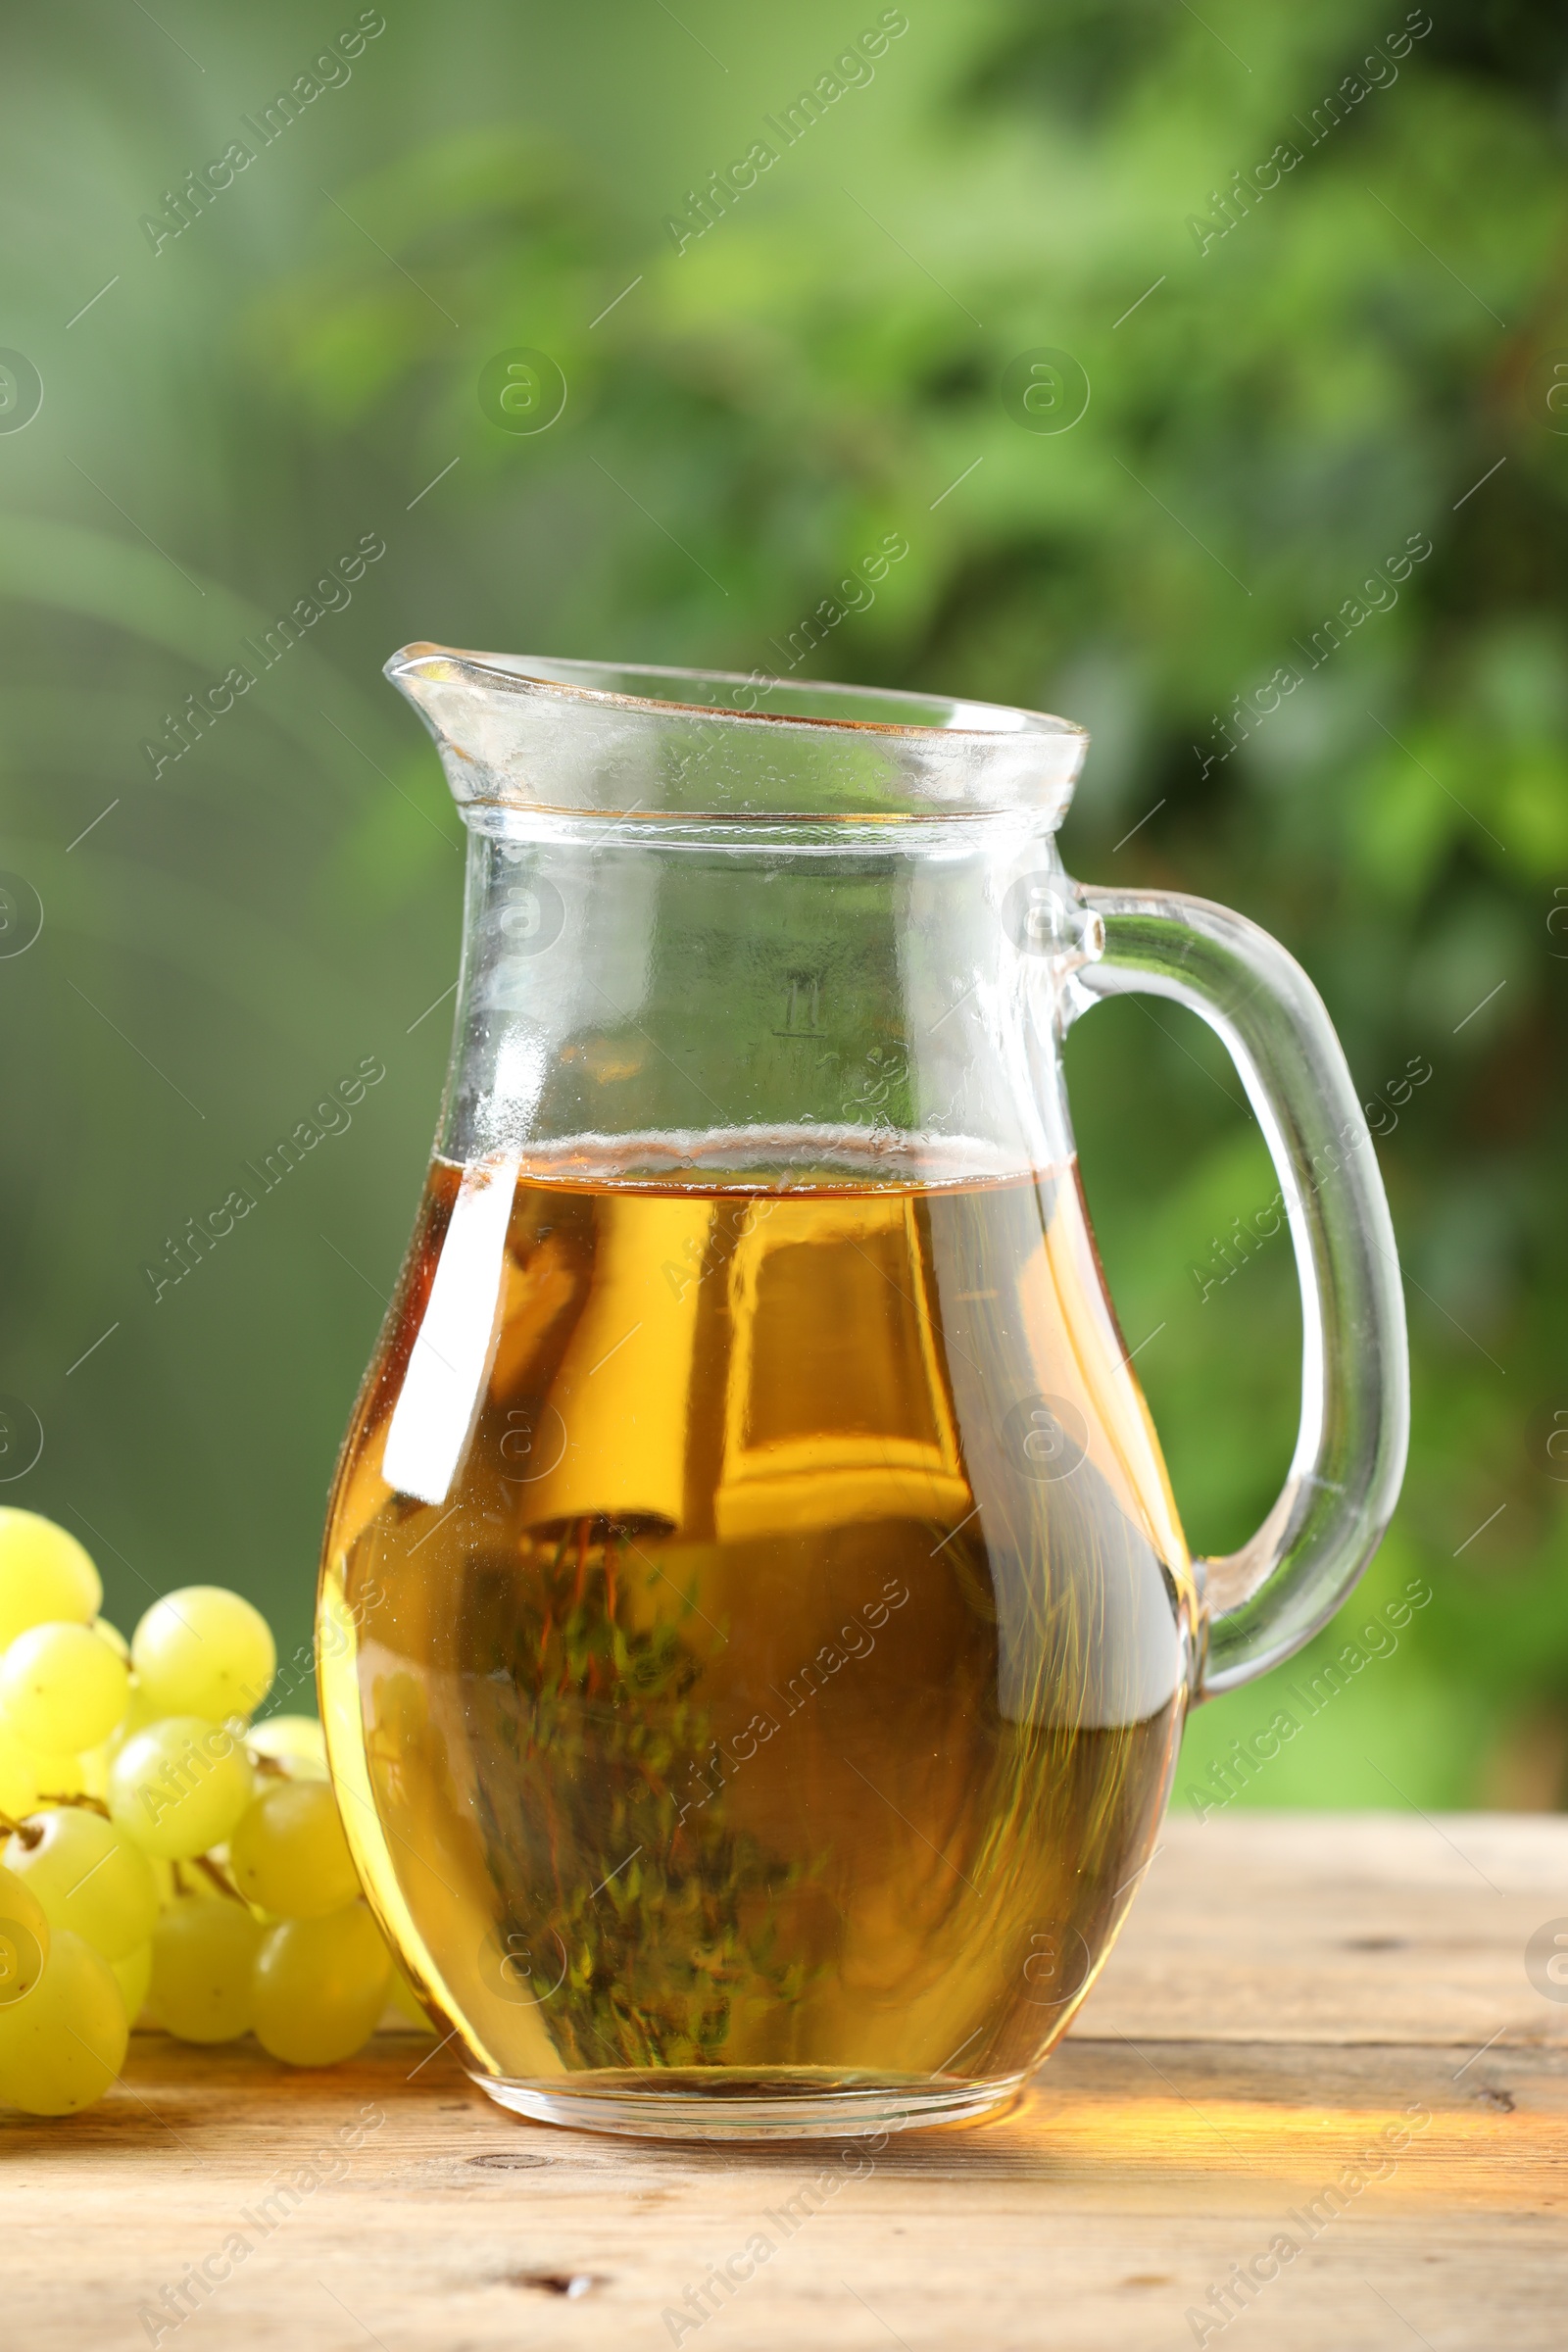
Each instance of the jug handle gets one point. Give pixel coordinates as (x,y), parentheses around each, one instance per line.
(1263,1601)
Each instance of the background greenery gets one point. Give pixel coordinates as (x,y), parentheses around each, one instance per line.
(1278,415)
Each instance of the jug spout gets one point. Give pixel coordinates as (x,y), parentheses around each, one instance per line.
(523,732)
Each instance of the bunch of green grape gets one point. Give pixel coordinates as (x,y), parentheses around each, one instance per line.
(162,1854)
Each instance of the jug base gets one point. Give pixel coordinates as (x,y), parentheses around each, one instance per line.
(783,2103)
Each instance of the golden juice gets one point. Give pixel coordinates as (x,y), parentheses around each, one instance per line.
(755,1625)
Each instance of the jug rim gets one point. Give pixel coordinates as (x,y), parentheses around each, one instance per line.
(523,737)
(531,673)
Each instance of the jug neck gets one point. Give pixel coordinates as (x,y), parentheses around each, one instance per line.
(762,1003)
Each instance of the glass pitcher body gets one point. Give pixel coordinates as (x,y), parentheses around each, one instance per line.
(755,1625)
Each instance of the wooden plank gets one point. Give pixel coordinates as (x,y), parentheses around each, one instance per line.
(1377,1927)
(1112,2203)
(1149,2159)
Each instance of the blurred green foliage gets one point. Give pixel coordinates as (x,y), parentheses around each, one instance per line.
(1365,355)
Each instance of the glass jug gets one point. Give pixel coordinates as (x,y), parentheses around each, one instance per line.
(757,1627)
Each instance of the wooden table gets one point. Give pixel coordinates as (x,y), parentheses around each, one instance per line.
(1289,1987)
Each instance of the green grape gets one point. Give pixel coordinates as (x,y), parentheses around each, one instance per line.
(319,1986)
(58,1775)
(24,1937)
(178,1786)
(62,2047)
(139,1713)
(296,1742)
(204,1962)
(114,1637)
(45,1576)
(19,1774)
(89,1876)
(132,1974)
(62,1687)
(204,1652)
(289,1853)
